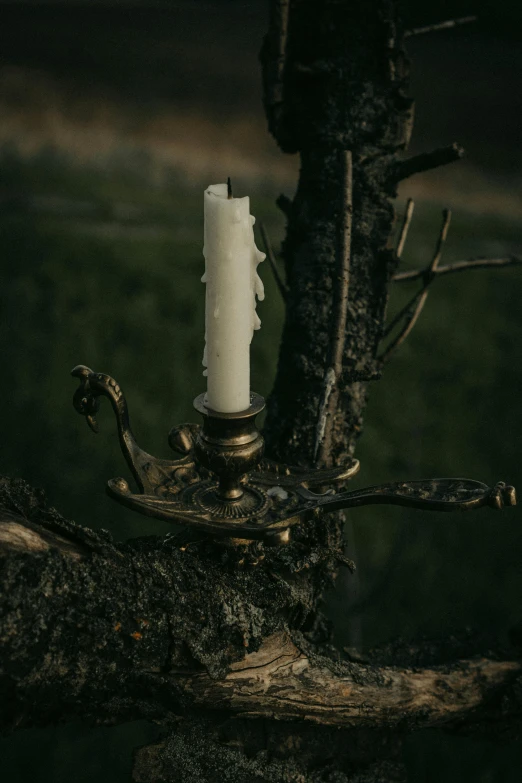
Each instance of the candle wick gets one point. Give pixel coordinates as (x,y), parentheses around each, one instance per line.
(229,188)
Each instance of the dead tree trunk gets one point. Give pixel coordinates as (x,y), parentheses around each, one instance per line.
(335,79)
(224,646)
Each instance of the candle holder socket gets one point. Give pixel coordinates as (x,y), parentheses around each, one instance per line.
(222,485)
(229,445)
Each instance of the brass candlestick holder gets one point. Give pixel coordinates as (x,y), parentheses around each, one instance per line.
(222,485)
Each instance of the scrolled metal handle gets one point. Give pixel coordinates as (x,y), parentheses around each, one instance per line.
(446,494)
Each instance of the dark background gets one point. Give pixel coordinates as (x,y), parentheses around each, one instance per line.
(113,118)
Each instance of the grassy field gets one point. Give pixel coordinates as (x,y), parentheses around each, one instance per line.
(112,123)
(103,268)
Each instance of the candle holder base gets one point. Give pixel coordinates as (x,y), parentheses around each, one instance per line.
(222,486)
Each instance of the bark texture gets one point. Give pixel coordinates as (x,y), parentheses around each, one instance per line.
(85,622)
(224,645)
(339,85)
(210,643)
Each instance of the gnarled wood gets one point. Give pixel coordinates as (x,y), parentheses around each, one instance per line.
(345,83)
(281,681)
(224,636)
(65,623)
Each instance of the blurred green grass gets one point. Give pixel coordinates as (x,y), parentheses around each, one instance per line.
(448,404)
(102,266)
(83,285)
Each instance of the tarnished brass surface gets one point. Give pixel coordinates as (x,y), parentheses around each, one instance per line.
(230,446)
(222,486)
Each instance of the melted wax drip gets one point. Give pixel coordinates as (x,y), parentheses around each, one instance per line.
(258,291)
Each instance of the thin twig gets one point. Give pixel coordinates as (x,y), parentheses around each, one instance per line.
(410,206)
(408,326)
(433,28)
(429,160)
(283,289)
(459,266)
(446,220)
(401,314)
(334,371)
(344,272)
(323,444)
(414,307)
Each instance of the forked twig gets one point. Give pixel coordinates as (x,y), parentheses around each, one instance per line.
(401,314)
(283,288)
(459,266)
(412,310)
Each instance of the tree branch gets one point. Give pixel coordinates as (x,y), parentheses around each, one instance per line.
(411,320)
(408,214)
(281,680)
(315,126)
(71,645)
(443,234)
(334,371)
(429,160)
(459,266)
(434,28)
(84,620)
(414,307)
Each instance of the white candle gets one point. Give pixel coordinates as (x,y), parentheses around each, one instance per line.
(231,259)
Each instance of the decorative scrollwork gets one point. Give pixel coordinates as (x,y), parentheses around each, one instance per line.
(152,475)
(446,494)
(269,499)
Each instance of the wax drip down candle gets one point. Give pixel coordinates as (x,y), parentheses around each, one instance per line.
(231,260)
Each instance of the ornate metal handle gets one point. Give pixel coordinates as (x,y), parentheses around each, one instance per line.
(446,494)
(271,497)
(151,474)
